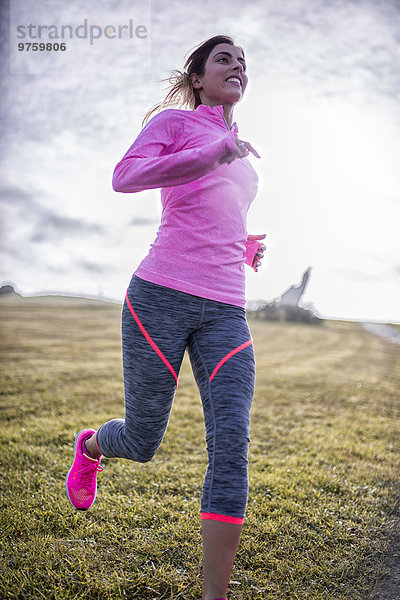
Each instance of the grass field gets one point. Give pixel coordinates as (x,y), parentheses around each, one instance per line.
(324,465)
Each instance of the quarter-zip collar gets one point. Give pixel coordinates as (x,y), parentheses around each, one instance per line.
(217,114)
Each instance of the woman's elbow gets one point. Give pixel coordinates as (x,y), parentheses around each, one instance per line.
(116,185)
(120,186)
(117,181)
(124,182)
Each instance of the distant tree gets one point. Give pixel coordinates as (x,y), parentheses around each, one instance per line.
(7,289)
(275,311)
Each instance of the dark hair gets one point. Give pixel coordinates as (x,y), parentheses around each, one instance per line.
(182,92)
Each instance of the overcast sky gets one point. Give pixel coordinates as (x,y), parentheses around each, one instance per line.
(321,108)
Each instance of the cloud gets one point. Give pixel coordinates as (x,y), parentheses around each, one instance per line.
(349,274)
(52,226)
(34,222)
(63,133)
(140,221)
(335,49)
(92,267)
(375,274)
(14,195)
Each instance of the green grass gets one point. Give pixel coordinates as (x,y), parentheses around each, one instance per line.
(324,465)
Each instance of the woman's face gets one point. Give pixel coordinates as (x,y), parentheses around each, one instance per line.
(224,80)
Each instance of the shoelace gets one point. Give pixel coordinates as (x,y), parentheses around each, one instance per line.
(86,473)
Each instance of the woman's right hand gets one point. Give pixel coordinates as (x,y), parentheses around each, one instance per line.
(242,150)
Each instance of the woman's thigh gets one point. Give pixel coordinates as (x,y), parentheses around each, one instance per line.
(154,337)
(222,357)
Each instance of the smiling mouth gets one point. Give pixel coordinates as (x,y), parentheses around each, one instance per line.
(234,82)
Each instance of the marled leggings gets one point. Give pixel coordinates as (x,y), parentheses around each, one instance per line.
(158,324)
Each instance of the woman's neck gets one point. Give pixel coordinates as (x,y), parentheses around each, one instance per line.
(228,115)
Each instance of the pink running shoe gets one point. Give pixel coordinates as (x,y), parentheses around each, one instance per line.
(81,482)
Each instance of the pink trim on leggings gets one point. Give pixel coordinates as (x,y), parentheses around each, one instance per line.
(148,338)
(95,440)
(228,356)
(224,518)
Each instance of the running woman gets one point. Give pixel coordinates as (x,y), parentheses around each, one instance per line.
(188,293)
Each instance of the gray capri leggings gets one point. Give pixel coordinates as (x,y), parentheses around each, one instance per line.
(158,324)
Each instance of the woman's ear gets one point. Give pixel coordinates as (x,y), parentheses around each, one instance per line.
(195,80)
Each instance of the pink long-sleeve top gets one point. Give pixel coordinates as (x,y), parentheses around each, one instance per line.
(201,245)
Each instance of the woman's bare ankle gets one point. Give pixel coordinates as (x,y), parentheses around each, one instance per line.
(91,447)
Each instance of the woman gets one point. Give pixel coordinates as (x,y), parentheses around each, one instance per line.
(189,293)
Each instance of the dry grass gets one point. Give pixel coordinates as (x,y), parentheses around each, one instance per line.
(324,465)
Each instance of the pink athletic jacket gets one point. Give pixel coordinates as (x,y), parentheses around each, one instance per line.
(201,245)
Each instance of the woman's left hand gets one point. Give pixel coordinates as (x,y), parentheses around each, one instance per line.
(260,252)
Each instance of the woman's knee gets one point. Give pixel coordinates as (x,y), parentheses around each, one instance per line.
(229,451)
(141,455)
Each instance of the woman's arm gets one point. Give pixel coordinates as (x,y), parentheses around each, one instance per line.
(152,162)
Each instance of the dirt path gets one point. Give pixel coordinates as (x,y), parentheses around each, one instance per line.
(384,331)
(390,588)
